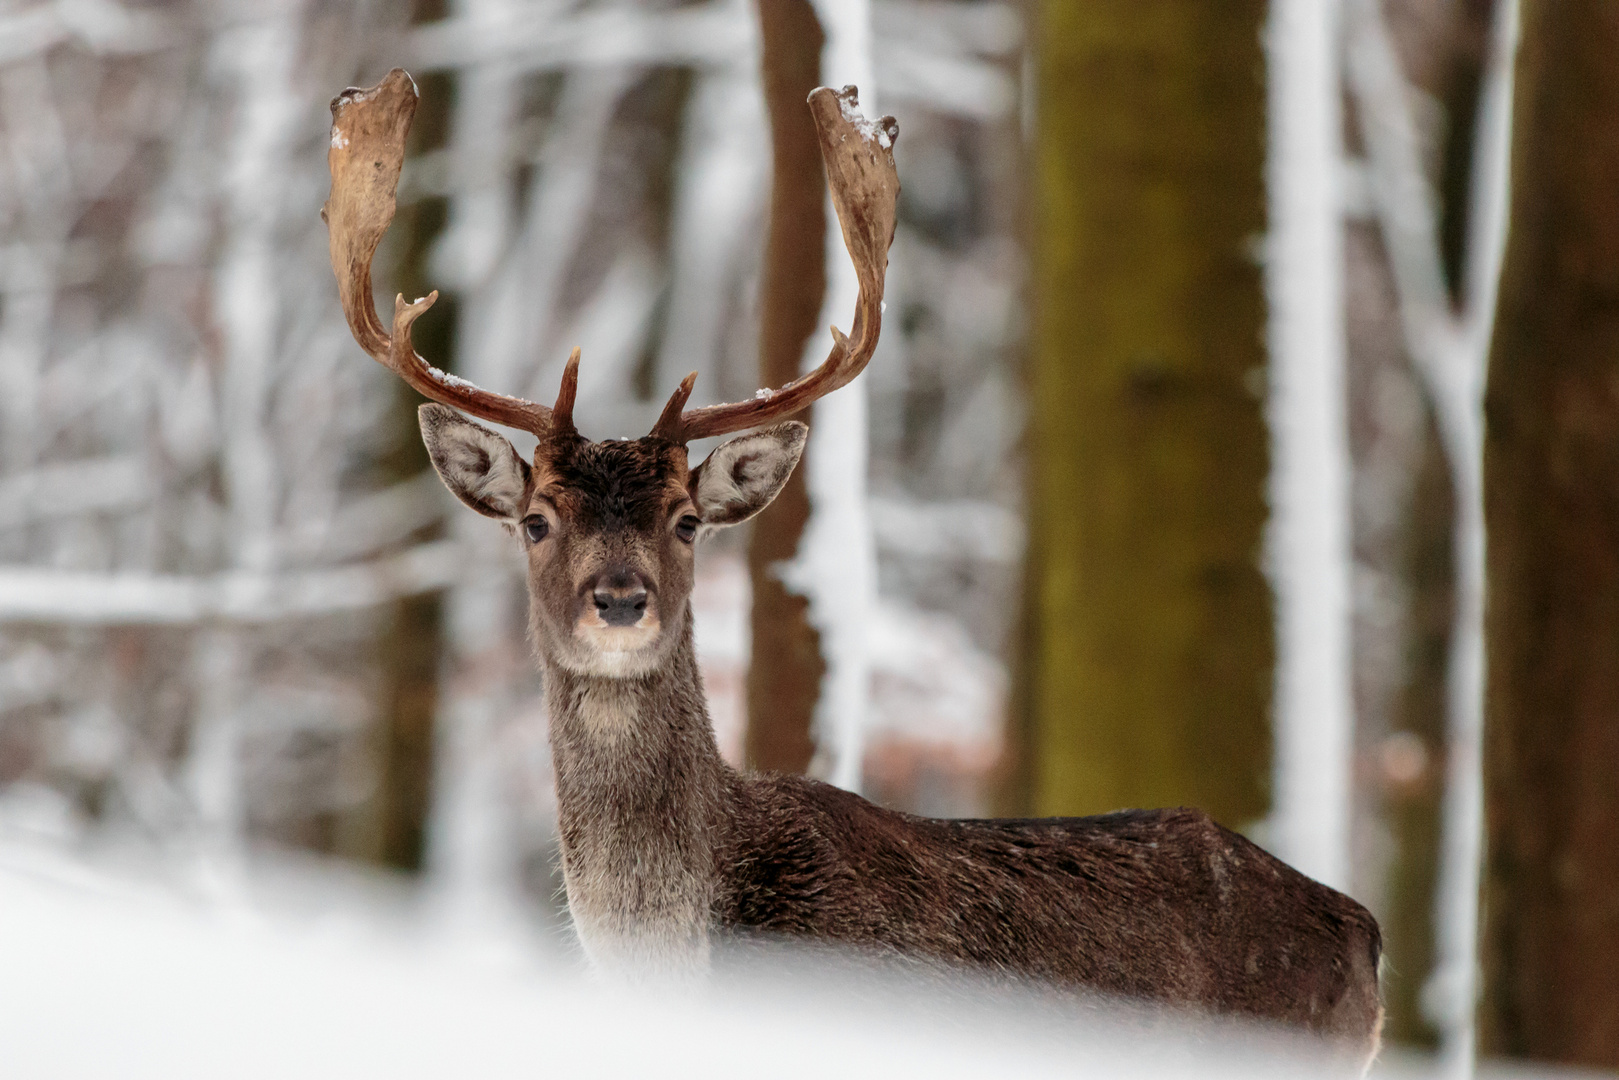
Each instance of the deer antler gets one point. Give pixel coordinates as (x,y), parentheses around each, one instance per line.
(859,157)
(368,148)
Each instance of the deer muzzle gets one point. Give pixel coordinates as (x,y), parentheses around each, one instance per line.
(619,622)
(620,598)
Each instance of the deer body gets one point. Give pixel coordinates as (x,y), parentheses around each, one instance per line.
(668,853)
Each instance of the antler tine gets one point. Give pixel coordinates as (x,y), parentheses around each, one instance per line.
(367,152)
(859,157)
(671,423)
(562,412)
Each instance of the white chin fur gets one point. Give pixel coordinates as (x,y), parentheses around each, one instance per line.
(618,652)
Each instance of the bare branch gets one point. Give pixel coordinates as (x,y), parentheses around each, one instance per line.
(39,594)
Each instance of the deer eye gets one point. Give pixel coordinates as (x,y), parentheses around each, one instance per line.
(535,527)
(686,528)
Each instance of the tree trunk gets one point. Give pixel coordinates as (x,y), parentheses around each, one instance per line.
(1150,645)
(784,673)
(1551,944)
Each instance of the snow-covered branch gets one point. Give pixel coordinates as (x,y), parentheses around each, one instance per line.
(1450,351)
(41,595)
(1308,550)
(541,37)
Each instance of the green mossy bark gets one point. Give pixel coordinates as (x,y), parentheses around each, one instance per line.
(1150,651)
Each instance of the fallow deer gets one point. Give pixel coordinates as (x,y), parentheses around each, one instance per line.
(667,851)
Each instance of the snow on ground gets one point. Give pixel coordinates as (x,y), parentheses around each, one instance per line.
(111,974)
(108,969)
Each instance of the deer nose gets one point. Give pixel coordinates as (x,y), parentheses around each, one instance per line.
(620,598)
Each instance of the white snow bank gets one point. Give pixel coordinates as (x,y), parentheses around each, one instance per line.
(108,977)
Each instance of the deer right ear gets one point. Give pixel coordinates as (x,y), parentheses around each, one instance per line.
(741,477)
(479,467)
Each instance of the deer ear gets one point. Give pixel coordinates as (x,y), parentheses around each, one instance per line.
(741,477)
(479,467)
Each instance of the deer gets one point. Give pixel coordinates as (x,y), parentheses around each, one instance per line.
(668,853)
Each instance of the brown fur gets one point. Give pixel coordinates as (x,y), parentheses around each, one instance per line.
(668,853)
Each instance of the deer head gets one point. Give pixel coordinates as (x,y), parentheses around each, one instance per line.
(608,527)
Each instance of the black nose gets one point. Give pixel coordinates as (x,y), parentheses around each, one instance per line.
(620,599)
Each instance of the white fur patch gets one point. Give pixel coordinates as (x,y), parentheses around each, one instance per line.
(479,467)
(618,652)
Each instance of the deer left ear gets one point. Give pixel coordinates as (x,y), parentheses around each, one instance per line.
(479,467)
(741,477)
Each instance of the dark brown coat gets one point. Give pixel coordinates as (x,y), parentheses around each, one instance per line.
(668,851)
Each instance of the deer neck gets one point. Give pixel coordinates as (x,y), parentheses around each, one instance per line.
(642,802)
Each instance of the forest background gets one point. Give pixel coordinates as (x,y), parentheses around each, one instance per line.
(1244,434)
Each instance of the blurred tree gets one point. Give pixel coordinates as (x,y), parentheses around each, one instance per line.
(1408,804)
(1149,632)
(1551,943)
(389,827)
(784,673)
(1404,564)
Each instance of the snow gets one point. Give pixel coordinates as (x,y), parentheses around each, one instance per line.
(1307,542)
(545,37)
(97,599)
(720,600)
(722,181)
(111,973)
(870,130)
(444,378)
(957,528)
(932,690)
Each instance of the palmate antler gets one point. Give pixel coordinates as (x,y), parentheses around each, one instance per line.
(368,150)
(859,157)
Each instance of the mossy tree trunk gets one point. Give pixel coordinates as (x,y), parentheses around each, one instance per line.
(1551,943)
(1149,648)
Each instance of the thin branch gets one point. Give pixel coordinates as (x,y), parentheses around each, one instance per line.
(30,594)
(1451,353)
(719,33)
(66,489)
